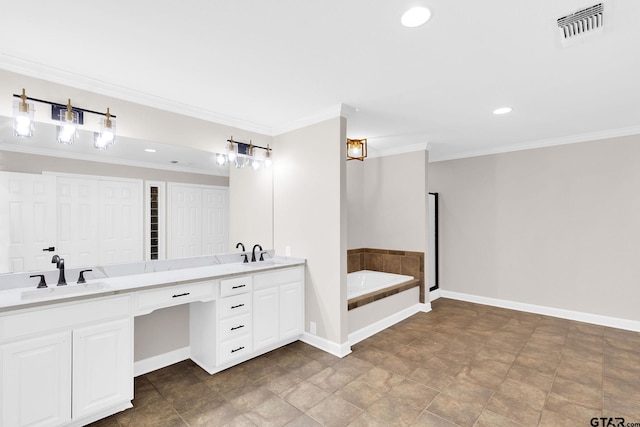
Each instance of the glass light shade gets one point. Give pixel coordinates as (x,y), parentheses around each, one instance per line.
(68,128)
(221,159)
(255,164)
(232,151)
(268,162)
(356,149)
(99,142)
(108,130)
(23,118)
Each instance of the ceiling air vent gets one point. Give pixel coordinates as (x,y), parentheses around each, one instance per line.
(581,22)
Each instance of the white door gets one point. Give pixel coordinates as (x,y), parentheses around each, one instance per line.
(27,221)
(265,317)
(291,310)
(78,221)
(120,221)
(215,221)
(36,381)
(184,221)
(102,366)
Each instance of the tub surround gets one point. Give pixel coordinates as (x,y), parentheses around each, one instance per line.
(388,261)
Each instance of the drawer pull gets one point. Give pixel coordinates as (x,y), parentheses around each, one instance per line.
(181,295)
(237,306)
(237,327)
(238,286)
(237,349)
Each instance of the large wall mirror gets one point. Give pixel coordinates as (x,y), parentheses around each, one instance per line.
(101,207)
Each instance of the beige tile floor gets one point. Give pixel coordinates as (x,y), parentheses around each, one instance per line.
(462,364)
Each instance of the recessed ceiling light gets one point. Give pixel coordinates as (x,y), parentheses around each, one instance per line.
(502,110)
(415,17)
(149,150)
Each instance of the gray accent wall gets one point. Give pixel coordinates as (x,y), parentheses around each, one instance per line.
(556,227)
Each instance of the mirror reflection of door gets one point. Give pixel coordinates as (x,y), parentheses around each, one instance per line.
(28,215)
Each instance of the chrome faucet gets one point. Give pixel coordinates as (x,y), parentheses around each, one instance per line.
(244,251)
(60,265)
(253,253)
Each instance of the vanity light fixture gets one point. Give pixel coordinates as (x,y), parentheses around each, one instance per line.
(69,118)
(356,149)
(241,154)
(23,112)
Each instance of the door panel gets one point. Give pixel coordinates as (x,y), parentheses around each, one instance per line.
(29,214)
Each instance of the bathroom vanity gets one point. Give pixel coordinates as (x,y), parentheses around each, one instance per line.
(66,358)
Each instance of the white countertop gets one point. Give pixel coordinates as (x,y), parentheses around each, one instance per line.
(19,298)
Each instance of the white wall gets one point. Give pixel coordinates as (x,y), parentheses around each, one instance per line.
(310,217)
(395,202)
(556,227)
(356,214)
(251,207)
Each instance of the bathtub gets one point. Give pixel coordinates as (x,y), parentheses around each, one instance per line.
(366,281)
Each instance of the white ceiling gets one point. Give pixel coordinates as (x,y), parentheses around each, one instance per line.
(269,65)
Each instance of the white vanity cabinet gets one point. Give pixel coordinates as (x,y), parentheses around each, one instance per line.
(66,364)
(254,313)
(278,304)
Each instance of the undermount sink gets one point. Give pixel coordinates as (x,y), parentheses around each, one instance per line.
(54,291)
(260,264)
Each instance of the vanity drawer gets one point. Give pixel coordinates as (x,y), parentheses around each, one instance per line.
(235,326)
(235,348)
(235,305)
(235,286)
(147,301)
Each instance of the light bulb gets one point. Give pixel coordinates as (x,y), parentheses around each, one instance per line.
(255,164)
(268,162)
(221,159)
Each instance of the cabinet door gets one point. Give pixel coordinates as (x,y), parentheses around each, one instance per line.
(36,381)
(265,317)
(291,310)
(102,366)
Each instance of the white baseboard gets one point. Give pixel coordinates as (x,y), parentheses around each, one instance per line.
(434,295)
(340,350)
(596,319)
(364,333)
(145,366)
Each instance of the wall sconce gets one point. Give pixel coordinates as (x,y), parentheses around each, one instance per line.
(68,118)
(241,154)
(356,149)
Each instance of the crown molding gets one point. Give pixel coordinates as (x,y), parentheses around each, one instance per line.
(55,75)
(542,143)
(373,153)
(326,114)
